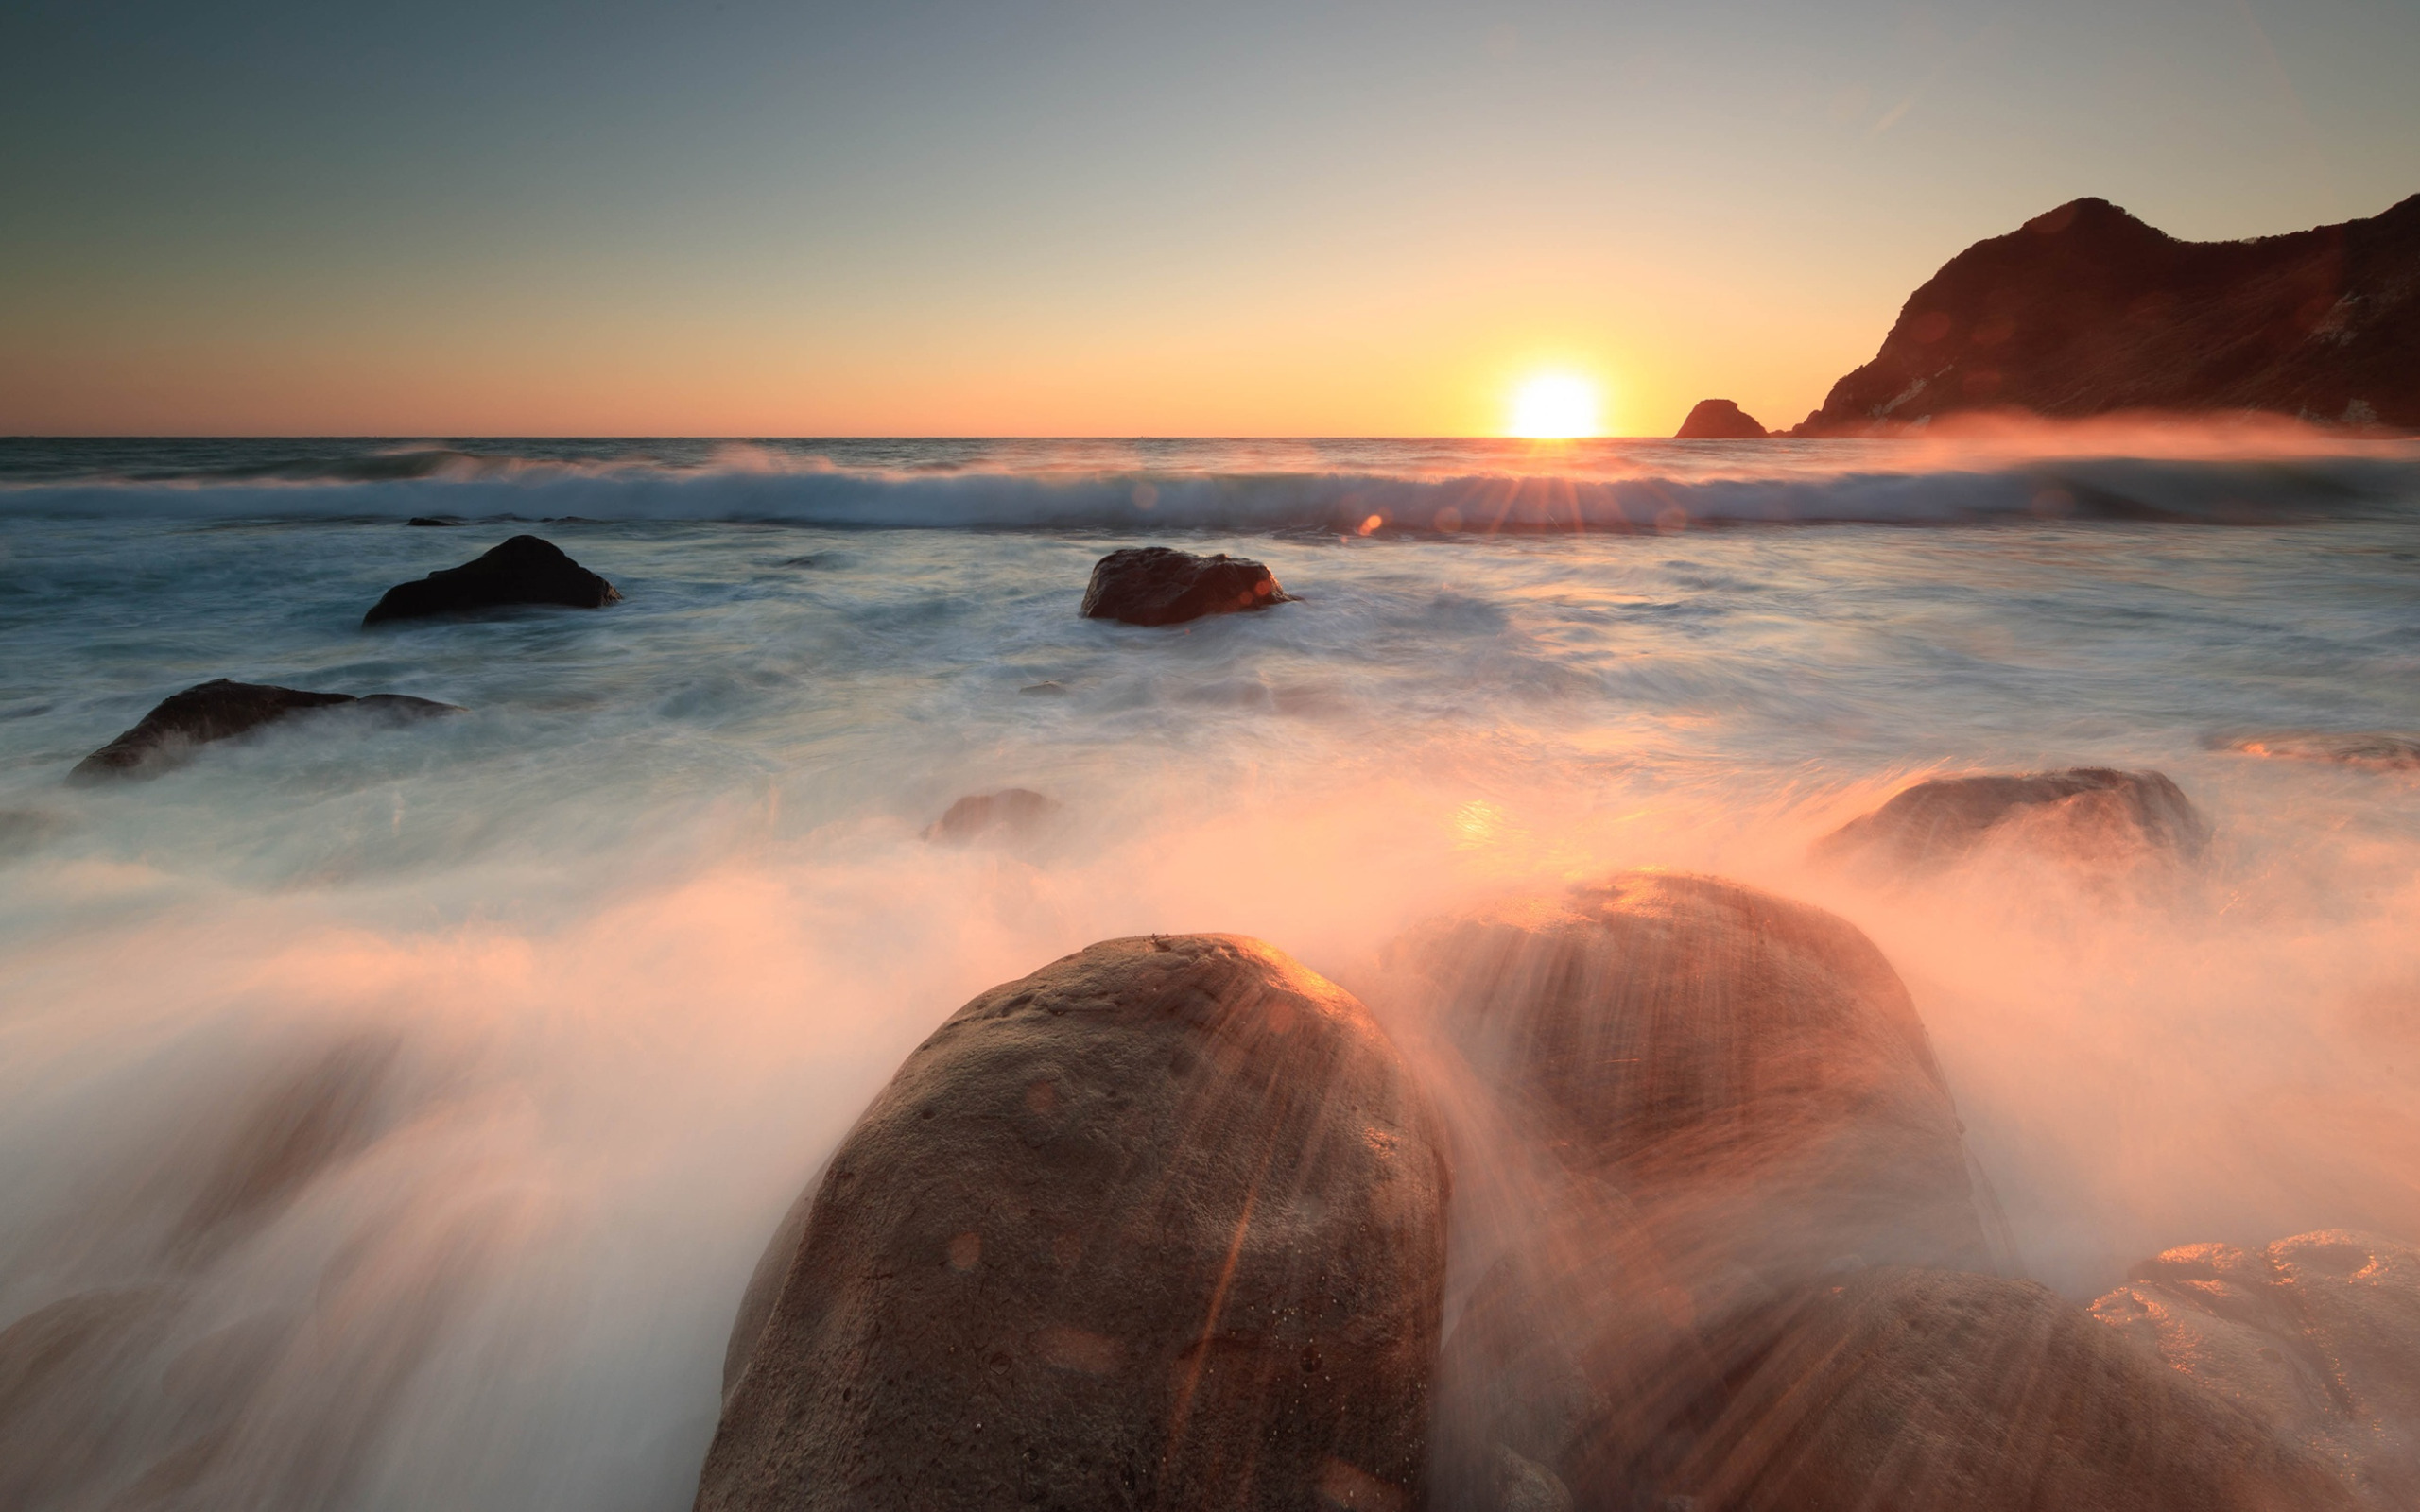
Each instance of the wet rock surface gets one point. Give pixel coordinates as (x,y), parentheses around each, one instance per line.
(524,570)
(1160,1224)
(2317,1337)
(1011,813)
(221,710)
(1153,585)
(2087,814)
(1718,419)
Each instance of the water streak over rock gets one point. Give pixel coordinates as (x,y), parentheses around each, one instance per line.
(221,710)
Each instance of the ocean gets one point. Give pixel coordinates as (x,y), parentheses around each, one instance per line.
(523,1027)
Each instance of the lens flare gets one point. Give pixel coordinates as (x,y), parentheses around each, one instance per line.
(1555,406)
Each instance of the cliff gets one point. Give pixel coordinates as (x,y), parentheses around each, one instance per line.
(2087,310)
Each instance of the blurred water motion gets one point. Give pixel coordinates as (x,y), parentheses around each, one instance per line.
(392,1119)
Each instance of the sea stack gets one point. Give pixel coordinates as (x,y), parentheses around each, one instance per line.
(1718,419)
(524,570)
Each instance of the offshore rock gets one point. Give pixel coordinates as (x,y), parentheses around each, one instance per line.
(2086,814)
(1729,1095)
(1015,811)
(1153,585)
(1160,1224)
(1935,1391)
(2317,1337)
(2085,310)
(524,570)
(2379,750)
(220,710)
(1718,419)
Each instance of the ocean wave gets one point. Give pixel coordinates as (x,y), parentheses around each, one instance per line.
(442,482)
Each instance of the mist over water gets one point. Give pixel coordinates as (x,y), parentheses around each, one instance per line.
(391,1117)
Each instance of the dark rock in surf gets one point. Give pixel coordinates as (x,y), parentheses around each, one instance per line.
(2317,1337)
(1718,419)
(432,520)
(1936,1391)
(2379,750)
(221,710)
(1162,1223)
(2085,310)
(1153,585)
(1724,1095)
(2089,814)
(1014,811)
(524,570)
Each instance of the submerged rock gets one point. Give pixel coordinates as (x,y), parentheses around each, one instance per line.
(220,710)
(1162,1223)
(2317,1337)
(524,570)
(2373,749)
(1017,809)
(1718,419)
(1935,1391)
(2086,814)
(1728,1095)
(1153,585)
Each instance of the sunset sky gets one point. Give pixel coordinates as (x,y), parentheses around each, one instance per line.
(1022,218)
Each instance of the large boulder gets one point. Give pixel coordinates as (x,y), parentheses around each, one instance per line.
(1728,1095)
(1718,419)
(2317,1337)
(524,570)
(1160,1224)
(2089,814)
(220,710)
(1936,1391)
(1153,585)
(1747,1071)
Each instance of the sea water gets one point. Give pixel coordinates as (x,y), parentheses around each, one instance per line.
(391,1116)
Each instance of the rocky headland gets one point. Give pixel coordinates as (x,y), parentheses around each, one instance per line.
(2084,309)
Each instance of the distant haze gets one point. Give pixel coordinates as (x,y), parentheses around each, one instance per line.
(759,219)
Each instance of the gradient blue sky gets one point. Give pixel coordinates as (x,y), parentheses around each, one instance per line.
(1086,219)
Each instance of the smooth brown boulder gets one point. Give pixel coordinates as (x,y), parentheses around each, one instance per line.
(2087,814)
(1718,419)
(1711,1097)
(1895,1390)
(1160,1224)
(2318,1337)
(221,710)
(1153,585)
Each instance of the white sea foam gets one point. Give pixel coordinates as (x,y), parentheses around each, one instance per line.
(407,1107)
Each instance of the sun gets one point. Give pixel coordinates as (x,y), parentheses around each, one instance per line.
(1554,406)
